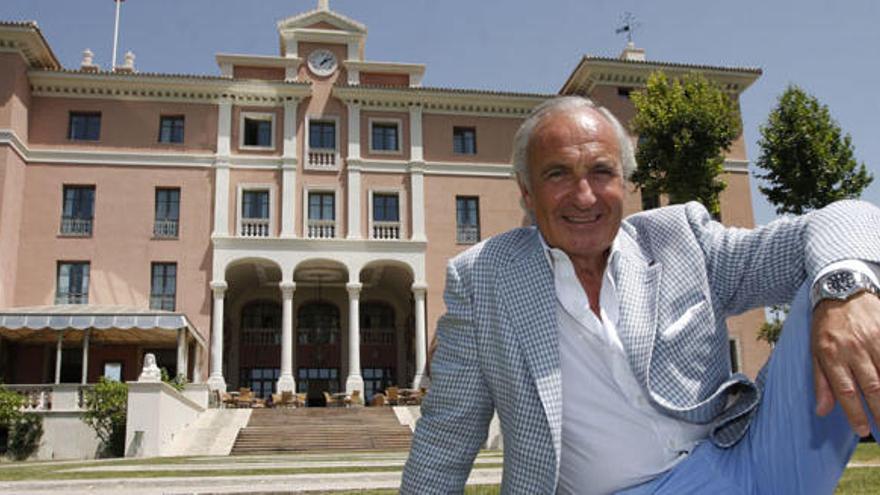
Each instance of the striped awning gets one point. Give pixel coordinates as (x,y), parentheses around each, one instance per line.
(87,316)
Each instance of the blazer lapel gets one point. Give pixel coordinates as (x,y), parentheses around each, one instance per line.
(637,280)
(529,299)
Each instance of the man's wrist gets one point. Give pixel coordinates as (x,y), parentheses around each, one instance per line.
(841,284)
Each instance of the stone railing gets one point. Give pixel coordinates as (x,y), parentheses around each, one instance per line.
(61,397)
(254,227)
(322,160)
(322,229)
(386,230)
(165,229)
(80,227)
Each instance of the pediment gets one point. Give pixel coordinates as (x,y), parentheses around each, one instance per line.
(321,19)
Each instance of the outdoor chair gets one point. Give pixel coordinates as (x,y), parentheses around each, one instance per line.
(300,399)
(354,399)
(392,396)
(331,402)
(227,399)
(287,399)
(245,398)
(377,400)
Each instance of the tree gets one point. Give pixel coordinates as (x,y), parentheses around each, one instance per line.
(683,126)
(106,410)
(809,162)
(771,330)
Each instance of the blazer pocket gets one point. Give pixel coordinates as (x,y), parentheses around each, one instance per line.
(689,318)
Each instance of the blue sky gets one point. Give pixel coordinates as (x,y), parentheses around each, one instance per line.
(827,47)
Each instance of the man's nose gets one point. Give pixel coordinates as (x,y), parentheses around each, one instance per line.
(583,193)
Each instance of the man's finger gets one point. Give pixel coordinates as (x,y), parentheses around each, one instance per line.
(846,392)
(824,398)
(868,380)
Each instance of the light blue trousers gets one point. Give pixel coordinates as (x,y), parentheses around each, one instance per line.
(788,449)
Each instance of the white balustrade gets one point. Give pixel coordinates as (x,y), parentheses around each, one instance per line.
(254,227)
(322,160)
(322,229)
(386,230)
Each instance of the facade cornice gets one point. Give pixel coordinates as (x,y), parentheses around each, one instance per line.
(598,71)
(317,15)
(257,60)
(386,67)
(27,39)
(158,87)
(294,245)
(440,100)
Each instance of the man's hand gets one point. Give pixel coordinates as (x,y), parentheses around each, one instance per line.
(846,357)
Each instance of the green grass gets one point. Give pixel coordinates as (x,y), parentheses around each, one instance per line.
(867,452)
(859,481)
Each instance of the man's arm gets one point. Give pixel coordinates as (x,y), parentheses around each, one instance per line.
(457,411)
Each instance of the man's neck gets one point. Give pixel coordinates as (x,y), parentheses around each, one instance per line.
(589,273)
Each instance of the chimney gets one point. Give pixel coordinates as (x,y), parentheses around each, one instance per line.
(633,54)
(128,66)
(88,64)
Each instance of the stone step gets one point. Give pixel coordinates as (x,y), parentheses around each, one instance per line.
(271,431)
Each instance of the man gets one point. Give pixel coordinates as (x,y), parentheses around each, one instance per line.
(603,347)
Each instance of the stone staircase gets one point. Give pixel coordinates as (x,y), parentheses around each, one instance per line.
(314,429)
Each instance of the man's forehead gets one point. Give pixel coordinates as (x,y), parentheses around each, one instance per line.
(572,126)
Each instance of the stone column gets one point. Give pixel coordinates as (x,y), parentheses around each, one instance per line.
(221,168)
(419,290)
(181,353)
(354,171)
(355,380)
(286,382)
(215,380)
(58,357)
(85,366)
(417,174)
(288,171)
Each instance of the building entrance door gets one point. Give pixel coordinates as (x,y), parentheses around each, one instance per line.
(318,329)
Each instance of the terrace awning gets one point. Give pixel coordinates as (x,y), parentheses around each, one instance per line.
(113,323)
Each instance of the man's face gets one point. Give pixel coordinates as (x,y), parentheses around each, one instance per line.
(577,184)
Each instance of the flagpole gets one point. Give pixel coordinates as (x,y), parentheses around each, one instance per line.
(115,34)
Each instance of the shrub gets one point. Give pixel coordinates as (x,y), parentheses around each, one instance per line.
(24,436)
(106,408)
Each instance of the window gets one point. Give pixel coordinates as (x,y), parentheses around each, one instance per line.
(257,130)
(385,208)
(73,283)
(319,378)
(464,140)
(322,215)
(84,126)
(78,210)
(376,380)
(467,210)
(113,371)
(261,381)
(171,129)
(255,204)
(322,134)
(384,137)
(624,92)
(255,213)
(167,212)
(318,324)
(163,289)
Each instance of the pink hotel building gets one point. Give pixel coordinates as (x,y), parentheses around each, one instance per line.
(284,225)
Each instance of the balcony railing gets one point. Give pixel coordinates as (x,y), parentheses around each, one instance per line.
(165,229)
(64,397)
(322,159)
(468,234)
(80,227)
(386,230)
(72,298)
(322,229)
(254,227)
(377,336)
(314,336)
(261,336)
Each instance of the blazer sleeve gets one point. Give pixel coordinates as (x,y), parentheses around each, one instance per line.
(749,268)
(456,413)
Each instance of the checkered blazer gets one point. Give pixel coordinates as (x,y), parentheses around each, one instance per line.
(679,276)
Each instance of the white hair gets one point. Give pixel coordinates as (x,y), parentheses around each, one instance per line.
(523,136)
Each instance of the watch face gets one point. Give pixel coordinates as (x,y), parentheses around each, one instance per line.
(840,283)
(322,62)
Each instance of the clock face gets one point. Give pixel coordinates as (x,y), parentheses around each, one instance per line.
(322,62)
(841,283)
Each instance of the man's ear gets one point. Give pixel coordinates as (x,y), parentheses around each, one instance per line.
(524,192)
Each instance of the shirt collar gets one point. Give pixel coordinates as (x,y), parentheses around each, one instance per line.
(552,253)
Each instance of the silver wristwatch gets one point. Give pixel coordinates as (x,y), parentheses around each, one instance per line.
(841,285)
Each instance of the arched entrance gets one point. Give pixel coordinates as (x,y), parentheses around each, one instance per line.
(260,349)
(318,348)
(378,347)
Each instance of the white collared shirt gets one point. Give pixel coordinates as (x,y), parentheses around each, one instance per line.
(612,438)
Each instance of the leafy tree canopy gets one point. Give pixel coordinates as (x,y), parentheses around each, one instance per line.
(809,162)
(684,126)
